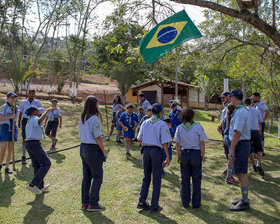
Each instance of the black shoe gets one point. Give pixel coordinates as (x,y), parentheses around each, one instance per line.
(144,206)
(158,209)
(240,206)
(23,160)
(8,171)
(0,167)
(128,154)
(97,208)
(255,168)
(236,201)
(260,169)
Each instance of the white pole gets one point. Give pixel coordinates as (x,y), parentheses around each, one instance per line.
(226,87)
(176,82)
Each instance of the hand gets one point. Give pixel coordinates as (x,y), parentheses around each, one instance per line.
(178,159)
(51,108)
(134,128)
(105,154)
(219,129)
(203,159)
(125,128)
(167,161)
(45,125)
(13,116)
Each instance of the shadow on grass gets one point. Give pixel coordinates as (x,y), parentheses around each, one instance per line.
(159,217)
(39,212)
(6,190)
(25,173)
(58,157)
(97,217)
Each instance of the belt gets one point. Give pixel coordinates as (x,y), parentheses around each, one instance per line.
(187,150)
(151,146)
(24,118)
(33,141)
(92,144)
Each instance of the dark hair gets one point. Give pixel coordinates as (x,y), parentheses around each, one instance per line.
(247,101)
(141,95)
(119,100)
(256,94)
(90,108)
(187,114)
(130,105)
(230,110)
(54,100)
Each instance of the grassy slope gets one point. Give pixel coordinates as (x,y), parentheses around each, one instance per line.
(121,186)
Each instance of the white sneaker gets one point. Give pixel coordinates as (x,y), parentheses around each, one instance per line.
(33,189)
(46,188)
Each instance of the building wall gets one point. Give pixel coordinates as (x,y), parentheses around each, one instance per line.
(202,105)
(130,98)
(194,95)
(153,88)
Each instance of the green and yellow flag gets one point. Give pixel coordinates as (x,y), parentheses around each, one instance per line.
(167,35)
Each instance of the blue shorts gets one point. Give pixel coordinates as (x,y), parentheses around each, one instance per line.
(169,152)
(129,134)
(256,142)
(172,131)
(6,134)
(114,120)
(118,127)
(51,128)
(23,124)
(241,155)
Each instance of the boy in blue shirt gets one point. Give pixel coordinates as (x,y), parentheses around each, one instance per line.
(174,116)
(52,118)
(129,122)
(40,160)
(118,126)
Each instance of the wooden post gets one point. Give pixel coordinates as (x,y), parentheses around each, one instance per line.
(106,110)
(13,136)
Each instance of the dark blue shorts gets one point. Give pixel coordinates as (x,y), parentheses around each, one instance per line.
(256,142)
(118,127)
(241,155)
(129,134)
(6,134)
(51,128)
(114,120)
(23,124)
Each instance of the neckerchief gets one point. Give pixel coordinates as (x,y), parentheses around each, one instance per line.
(227,103)
(130,120)
(188,125)
(155,118)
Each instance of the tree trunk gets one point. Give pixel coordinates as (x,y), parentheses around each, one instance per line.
(206,104)
(270,125)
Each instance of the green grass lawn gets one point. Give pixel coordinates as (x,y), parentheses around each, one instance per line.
(122,181)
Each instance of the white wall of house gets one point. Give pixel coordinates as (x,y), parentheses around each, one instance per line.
(153,88)
(194,95)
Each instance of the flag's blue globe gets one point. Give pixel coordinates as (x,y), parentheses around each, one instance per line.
(167,34)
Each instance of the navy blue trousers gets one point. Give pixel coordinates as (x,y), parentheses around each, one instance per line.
(92,159)
(40,162)
(152,164)
(191,168)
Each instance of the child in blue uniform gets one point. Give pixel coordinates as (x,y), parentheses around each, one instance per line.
(119,127)
(40,160)
(140,113)
(54,118)
(167,120)
(117,101)
(93,155)
(153,136)
(190,146)
(129,122)
(174,116)
(7,120)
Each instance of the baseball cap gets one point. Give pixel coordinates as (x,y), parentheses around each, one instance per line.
(11,94)
(31,109)
(225,94)
(237,93)
(142,94)
(173,104)
(166,119)
(157,108)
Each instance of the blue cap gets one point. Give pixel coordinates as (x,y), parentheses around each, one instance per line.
(31,109)
(237,93)
(120,106)
(225,94)
(149,108)
(11,94)
(157,108)
(173,104)
(166,119)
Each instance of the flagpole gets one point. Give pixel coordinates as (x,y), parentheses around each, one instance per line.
(176,75)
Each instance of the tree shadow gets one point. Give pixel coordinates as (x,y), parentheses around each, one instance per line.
(39,212)
(25,173)
(97,217)
(158,217)
(6,190)
(58,157)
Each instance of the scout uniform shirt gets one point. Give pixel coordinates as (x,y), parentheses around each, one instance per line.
(7,110)
(175,117)
(261,108)
(34,129)
(146,105)
(54,115)
(129,120)
(241,122)
(189,135)
(26,104)
(256,119)
(154,132)
(90,130)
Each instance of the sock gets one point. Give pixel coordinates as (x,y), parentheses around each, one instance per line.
(259,163)
(229,171)
(244,192)
(127,149)
(23,150)
(117,138)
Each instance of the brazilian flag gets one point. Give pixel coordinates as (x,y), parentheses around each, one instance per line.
(167,35)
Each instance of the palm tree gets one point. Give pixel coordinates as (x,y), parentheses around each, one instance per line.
(207,87)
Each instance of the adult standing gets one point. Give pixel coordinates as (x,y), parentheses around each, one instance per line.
(93,155)
(145,104)
(153,136)
(23,117)
(117,101)
(240,135)
(262,108)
